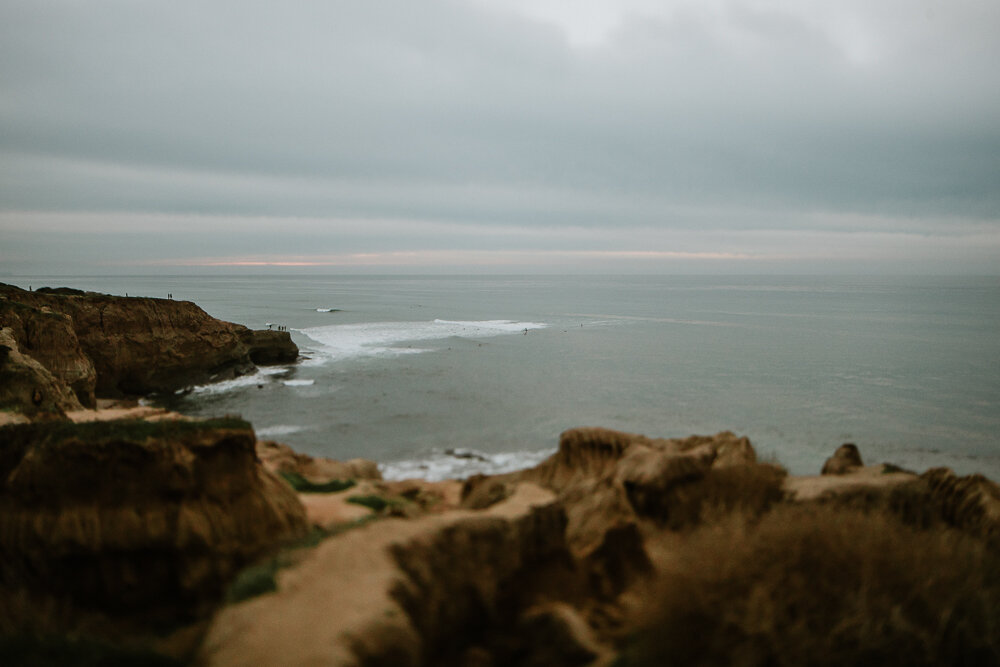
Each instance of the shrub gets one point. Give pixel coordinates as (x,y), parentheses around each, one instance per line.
(819,585)
(747,490)
(377,503)
(303,485)
(255,580)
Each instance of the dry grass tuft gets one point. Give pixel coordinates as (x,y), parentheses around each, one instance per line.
(818,585)
(747,490)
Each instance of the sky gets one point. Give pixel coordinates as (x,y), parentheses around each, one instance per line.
(499,136)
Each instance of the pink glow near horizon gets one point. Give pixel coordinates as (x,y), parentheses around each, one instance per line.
(452,257)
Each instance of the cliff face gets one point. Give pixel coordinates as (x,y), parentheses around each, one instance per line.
(529,571)
(49,338)
(27,387)
(113,346)
(142,345)
(266,346)
(135,518)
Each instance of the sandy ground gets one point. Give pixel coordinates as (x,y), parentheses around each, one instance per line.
(810,487)
(107,414)
(111,411)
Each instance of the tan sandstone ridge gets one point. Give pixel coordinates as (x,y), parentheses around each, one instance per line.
(146,523)
(108,346)
(140,521)
(27,388)
(545,566)
(397,592)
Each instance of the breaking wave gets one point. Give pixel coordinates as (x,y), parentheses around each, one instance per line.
(346,341)
(461,463)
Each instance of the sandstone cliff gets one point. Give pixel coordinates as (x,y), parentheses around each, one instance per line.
(530,570)
(27,388)
(555,566)
(49,338)
(398,592)
(115,346)
(136,519)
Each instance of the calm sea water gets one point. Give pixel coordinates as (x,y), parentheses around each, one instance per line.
(443,376)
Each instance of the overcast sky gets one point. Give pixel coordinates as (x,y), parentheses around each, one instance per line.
(500,136)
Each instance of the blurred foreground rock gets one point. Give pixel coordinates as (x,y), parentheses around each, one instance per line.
(166,521)
(136,519)
(397,592)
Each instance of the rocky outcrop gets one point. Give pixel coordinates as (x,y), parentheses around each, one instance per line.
(529,570)
(610,480)
(281,458)
(140,345)
(27,388)
(845,478)
(136,519)
(398,592)
(268,347)
(546,566)
(844,460)
(970,503)
(49,338)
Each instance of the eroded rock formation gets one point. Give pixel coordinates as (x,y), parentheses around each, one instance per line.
(844,460)
(27,388)
(136,518)
(397,592)
(48,337)
(281,458)
(529,570)
(970,503)
(266,346)
(609,481)
(113,346)
(150,520)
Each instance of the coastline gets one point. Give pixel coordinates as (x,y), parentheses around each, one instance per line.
(606,552)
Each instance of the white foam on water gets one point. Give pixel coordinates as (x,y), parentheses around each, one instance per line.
(277,430)
(327,310)
(459,464)
(236,383)
(274,370)
(261,376)
(297,383)
(346,341)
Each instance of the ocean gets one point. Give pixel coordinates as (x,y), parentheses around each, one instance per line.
(444,376)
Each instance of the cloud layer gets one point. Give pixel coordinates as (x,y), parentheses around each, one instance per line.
(765,135)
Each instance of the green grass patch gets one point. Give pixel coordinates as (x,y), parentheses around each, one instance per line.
(301,484)
(377,503)
(255,580)
(24,308)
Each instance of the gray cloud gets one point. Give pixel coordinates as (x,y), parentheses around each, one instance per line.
(590,125)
